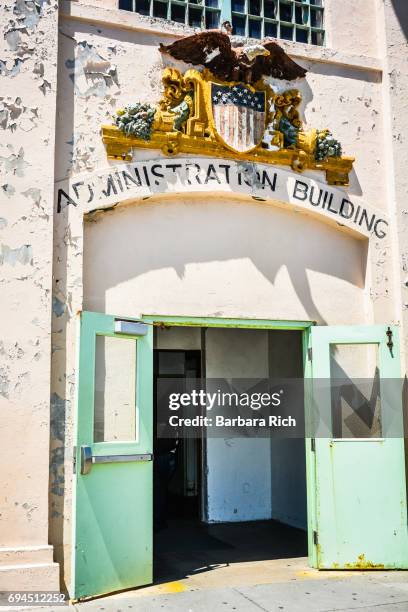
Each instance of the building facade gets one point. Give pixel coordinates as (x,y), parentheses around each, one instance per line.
(174,226)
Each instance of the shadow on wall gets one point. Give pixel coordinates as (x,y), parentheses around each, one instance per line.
(224,254)
(401,11)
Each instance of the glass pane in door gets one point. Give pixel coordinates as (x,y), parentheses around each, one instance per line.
(115,389)
(355,391)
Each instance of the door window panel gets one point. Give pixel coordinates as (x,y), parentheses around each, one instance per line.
(355,391)
(115,389)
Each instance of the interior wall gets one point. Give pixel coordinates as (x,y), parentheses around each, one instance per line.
(181,338)
(288,456)
(238,470)
(242,473)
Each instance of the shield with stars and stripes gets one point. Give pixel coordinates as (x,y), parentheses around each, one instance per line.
(239,115)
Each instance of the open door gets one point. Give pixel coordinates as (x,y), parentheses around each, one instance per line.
(359,509)
(112,519)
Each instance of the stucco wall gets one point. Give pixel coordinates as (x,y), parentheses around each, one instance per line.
(351,27)
(107,58)
(28,60)
(393,42)
(222,258)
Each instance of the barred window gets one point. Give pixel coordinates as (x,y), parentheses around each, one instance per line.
(296,20)
(195,13)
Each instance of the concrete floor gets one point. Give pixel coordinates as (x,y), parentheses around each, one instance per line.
(302,592)
(250,567)
(189,549)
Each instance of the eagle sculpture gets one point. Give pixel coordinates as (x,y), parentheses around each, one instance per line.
(248,64)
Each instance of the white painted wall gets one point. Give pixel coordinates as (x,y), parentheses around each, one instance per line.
(222,257)
(28,84)
(357,86)
(238,470)
(172,256)
(254,479)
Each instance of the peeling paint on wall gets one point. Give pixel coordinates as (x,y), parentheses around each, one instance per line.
(92,74)
(83,155)
(57,476)
(28,12)
(38,209)
(13,39)
(22,255)
(4,382)
(28,54)
(13,115)
(14,164)
(58,307)
(58,410)
(58,407)
(8,190)
(10,68)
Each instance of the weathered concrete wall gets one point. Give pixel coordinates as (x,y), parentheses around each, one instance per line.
(106,59)
(28,60)
(393,35)
(341,18)
(135,259)
(352,27)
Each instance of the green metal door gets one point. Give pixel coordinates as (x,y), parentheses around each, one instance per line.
(356,461)
(112,522)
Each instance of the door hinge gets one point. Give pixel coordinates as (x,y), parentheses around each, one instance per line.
(315,538)
(390,342)
(313,444)
(74,460)
(310,354)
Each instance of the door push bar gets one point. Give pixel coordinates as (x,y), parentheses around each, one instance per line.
(87,459)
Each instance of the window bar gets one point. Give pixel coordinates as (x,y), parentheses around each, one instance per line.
(226,12)
(296,20)
(246,18)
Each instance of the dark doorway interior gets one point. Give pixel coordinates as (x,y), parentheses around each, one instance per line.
(185,543)
(177,466)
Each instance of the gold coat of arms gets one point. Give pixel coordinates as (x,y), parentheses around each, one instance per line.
(228,109)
